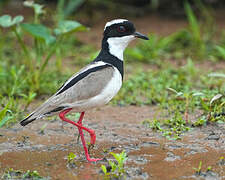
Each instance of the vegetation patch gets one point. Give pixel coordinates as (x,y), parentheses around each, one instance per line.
(115,169)
(19,174)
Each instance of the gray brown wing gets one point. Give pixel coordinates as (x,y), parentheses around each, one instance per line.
(86,88)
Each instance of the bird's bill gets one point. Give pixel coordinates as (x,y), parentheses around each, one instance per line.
(142,36)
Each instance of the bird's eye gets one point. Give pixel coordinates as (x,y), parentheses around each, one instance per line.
(121,29)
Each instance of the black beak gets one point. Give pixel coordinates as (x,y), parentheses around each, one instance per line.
(139,35)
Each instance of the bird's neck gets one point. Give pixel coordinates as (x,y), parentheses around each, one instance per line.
(116,48)
(106,56)
(116,45)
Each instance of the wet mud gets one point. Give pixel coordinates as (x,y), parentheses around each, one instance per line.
(150,156)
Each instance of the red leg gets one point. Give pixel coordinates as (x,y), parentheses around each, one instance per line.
(80,127)
(81,118)
(85,147)
(80,122)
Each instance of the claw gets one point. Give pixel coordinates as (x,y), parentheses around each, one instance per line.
(93,160)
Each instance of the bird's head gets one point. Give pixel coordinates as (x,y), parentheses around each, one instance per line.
(117,34)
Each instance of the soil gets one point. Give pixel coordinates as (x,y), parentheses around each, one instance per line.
(150,156)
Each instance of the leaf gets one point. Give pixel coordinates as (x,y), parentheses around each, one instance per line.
(135,53)
(113,165)
(71,156)
(38,9)
(221,75)
(17,19)
(3,112)
(172,90)
(104,169)
(197,94)
(39,31)
(220,50)
(3,117)
(6,21)
(67,26)
(192,20)
(72,6)
(180,94)
(116,156)
(4,120)
(216,97)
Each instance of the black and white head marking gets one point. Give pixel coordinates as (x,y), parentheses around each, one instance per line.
(119,28)
(118,33)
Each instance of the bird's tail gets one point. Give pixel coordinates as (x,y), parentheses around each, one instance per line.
(36,114)
(28,120)
(42,111)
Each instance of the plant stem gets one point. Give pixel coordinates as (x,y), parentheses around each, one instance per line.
(52,50)
(21,43)
(60,6)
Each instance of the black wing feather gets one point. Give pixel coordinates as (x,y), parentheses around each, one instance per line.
(81,76)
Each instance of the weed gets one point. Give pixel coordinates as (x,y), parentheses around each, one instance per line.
(42,129)
(200,121)
(19,174)
(10,111)
(71,157)
(116,169)
(209,168)
(64,9)
(199,168)
(221,161)
(171,128)
(197,42)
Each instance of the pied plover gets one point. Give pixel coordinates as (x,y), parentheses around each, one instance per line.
(95,84)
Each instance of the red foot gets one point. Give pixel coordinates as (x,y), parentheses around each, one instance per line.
(93,160)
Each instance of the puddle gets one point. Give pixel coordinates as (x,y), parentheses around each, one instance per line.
(150,156)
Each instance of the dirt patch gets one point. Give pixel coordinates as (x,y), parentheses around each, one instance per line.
(150,156)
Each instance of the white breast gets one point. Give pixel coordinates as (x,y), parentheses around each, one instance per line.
(112,87)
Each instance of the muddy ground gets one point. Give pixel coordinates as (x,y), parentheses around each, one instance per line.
(150,156)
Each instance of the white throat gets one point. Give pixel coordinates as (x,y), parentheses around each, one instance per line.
(117,45)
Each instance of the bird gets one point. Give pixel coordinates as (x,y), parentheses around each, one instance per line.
(95,84)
